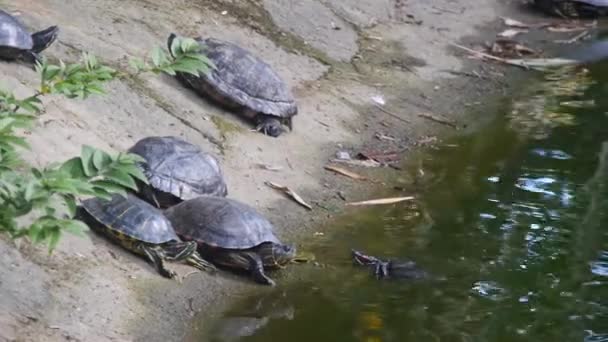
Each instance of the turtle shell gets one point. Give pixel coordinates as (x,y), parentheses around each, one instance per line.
(220,222)
(132,217)
(242,79)
(13,34)
(180,168)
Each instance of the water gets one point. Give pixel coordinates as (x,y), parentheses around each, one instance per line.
(514,217)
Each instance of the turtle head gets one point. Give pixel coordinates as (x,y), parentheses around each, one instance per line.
(277,254)
(269,125)
(362,259)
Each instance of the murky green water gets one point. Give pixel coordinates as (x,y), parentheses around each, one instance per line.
(514,216)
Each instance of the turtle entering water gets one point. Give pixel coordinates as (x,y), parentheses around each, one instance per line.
(17,43)
(392,269)
(231,234)
(244,82)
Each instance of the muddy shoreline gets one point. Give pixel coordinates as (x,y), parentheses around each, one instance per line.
(336,55)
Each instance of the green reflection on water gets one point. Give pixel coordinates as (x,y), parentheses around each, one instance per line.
(514,217)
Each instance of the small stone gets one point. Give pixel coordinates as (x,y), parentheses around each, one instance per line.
(342,155)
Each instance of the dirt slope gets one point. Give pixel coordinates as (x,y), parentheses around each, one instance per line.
(335,54)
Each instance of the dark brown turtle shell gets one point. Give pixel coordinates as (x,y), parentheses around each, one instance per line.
(180,168)
(132,217)
(241,79)
(220,222)
(13,34)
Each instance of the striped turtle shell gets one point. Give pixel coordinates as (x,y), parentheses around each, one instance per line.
(13,34)
(220,222)
(180,168)
(242,79)
(132,217)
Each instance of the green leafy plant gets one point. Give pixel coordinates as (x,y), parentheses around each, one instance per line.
(186,56)
(46,198)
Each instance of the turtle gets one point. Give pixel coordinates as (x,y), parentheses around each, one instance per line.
(574,8)
(243,82)
(389,269)
(177,170)
(231,234)
(139,227)
(17,43)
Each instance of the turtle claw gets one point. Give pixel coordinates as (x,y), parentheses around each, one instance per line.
(269,126)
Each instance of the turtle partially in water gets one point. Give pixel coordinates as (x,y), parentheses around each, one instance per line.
(17,43)
(244,82)
(231,234)
(177,170)
(574,8)
(142,229)
(391,269)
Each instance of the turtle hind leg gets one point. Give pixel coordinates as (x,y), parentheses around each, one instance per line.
(186,251)
(198,262)
(44,38)
(156,256)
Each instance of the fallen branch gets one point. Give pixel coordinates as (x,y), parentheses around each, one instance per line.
(380,201)
(346,173)
(292,194)
(573,39)
(526,63)
(385,111)
(438,120)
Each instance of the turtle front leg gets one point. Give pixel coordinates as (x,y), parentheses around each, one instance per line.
(269,125)
(256,267)
(250,261)
(178,251)
(30,57)
(381,269)
(155,255)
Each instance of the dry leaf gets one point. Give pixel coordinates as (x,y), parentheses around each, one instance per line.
(510,33)
(344,172)
(269,167)
(438,119)
(510,48)
(358,162)
(380,201)
(514,23)
(287,191)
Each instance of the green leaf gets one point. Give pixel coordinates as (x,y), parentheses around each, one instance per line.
(70,203)
(103,194)
(158,56)
(75,227)
(135,172)
(30,190)
(73,168)
(51,71)
(17,141)
(101,160)
(120,177)
(189,45)
(86,155)
(109,187)
(54,236)
(130,158)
